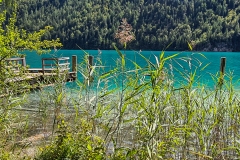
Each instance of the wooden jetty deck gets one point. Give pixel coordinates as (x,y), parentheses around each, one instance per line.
(51,70)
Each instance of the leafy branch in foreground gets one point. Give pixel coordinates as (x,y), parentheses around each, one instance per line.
(13,39)
(13,42)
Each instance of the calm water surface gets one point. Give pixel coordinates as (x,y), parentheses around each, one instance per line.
(185,62)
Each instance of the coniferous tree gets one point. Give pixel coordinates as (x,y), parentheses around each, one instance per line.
(77,22)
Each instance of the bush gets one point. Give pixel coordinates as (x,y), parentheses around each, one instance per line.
(74,144)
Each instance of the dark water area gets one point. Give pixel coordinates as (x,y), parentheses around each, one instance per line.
(182,65)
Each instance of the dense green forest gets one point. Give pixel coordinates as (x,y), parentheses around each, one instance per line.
(91,24)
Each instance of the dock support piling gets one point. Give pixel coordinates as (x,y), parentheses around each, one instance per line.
(90,63)
(74,65)
(24,62)
(43,66)
(222,70)
(223,65)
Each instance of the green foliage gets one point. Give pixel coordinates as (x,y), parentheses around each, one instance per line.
(74,144)
(13,42)
(14,39)
(142,116)
(148,118)
(156,23)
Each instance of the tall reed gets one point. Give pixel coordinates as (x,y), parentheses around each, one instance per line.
(139,113)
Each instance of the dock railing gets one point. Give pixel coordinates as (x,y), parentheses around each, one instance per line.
(51,65)
(15,63)
(61,64)
(35,77)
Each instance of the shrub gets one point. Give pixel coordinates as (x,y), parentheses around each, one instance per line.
(77,143)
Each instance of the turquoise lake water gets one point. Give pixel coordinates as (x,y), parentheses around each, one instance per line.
(185,62)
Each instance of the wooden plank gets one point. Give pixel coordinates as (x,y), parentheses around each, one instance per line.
(62,64)
(35,69)
(15,59)
(54,59)
(63,58)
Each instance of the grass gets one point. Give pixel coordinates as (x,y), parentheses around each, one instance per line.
(143,116)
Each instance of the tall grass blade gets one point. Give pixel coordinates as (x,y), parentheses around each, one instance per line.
(189,46)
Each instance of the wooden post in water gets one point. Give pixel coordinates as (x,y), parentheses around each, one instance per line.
(74,65)
(223,65)
(90,63)
(24,62)
(222,70)
(43,66)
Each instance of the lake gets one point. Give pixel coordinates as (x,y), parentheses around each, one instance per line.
(185,62)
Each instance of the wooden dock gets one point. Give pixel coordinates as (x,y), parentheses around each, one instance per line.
(52,70)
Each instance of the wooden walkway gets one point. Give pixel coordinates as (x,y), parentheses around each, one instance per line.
(48,74)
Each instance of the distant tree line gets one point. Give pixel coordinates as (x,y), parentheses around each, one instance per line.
(91,24)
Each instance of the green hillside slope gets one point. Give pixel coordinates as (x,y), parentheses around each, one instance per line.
(207,24)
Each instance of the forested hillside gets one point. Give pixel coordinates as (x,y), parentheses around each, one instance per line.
(91,24)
